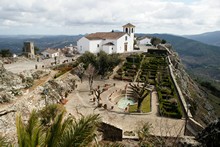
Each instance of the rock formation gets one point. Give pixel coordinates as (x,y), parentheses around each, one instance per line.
(200,108)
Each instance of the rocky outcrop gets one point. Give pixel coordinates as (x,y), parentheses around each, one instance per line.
(57,89)
(200,108)
(210,135)
(11,84)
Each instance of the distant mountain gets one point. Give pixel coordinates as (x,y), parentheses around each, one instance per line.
(15,43)
(199,58)
(212,38)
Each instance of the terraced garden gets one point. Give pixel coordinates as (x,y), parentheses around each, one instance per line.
(153,68)
(130,68)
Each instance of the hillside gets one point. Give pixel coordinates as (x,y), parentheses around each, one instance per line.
(15,43)
(211,38)
(199,58)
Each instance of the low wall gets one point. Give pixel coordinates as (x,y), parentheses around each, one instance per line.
(110,133)
(192,125)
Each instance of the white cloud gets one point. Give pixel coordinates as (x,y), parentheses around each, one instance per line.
(75,16)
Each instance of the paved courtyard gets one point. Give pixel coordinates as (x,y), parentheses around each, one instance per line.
(27,64)
(80,102)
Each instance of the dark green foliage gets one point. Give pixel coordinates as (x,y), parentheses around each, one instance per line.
(129,69)
(36,49)
(88,58)
(163,41)
(103,62)
(4,142)
(209,137)
(211,87)
(59,132)
(154,70)
(48,113)
(155,41)
(200,59)
(5,53)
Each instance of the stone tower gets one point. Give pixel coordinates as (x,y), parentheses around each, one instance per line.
(29,49)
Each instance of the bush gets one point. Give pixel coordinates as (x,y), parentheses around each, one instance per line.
(118,77)
(129,79)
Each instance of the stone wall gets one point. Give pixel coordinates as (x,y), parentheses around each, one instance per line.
(110,133)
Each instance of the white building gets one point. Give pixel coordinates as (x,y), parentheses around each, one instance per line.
(144,40)
(50,53)
(110,42)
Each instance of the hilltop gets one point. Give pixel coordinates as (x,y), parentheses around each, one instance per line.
(15,43)
(201,60)
(211,38)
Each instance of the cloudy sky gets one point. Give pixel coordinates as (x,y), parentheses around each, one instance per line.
(56,17)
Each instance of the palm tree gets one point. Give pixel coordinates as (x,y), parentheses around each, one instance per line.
(81,133)
(59,132)
(29,135)
(4,142)
(140,92)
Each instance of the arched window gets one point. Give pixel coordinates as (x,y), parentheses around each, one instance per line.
(126,30)
(132,30)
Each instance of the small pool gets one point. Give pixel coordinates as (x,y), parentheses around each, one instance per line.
(123,102)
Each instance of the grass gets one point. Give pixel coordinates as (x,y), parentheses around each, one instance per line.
(62,71)
(145,108)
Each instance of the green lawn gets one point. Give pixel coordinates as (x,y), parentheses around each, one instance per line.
(145,105)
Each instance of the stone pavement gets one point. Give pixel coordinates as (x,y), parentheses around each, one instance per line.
(80,102)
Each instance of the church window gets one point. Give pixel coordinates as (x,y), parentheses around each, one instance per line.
(126,38)
(97,45)
(132,30)
(126,30)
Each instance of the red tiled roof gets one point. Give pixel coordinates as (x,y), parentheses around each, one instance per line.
(105,35)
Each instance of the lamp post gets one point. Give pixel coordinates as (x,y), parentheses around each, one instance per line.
(187,117)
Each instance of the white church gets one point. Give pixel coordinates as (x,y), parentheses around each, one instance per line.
(110,42)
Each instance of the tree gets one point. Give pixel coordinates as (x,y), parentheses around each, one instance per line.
(58,133)
(88,58)
(140,92)
(155,41)
(29,135)
(163,41)
(210,135)
(106,62)
(97,92)
(6,53)
(103,63)
(144,135)
(4,142)
(36,49)
(90,72)
(48,113)
(80,71)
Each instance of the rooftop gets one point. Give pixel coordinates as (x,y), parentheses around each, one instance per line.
(51,51)
(109,44)
(128,25)
(105,35)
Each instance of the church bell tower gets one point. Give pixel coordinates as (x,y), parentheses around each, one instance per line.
(130,29)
